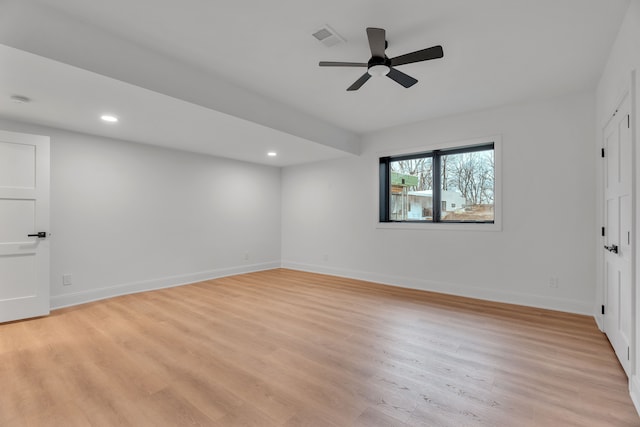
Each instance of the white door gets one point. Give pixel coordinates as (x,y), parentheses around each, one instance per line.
(24,210)
(618,210)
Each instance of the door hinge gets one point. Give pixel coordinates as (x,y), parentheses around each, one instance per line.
(628,121)
(602,231)
(602,152)
(602,308)
(627,353)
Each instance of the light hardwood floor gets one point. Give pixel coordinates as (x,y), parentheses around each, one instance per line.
(286,348)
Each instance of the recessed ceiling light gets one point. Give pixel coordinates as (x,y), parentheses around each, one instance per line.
(19,99)
(272,154)
(109,118)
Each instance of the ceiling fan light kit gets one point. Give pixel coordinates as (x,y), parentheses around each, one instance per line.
(379,70)
(380,65)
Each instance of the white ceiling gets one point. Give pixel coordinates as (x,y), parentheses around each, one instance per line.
(257,61)
(71,98)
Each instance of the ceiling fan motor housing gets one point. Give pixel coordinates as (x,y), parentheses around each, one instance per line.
(376,60)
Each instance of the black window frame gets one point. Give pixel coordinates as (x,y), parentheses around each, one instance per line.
(436,155)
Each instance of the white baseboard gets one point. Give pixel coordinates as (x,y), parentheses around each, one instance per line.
(599,320)
(634,391)
(550,303)
(66,300)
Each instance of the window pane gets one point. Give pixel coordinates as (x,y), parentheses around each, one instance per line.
(467,186)
(411,192)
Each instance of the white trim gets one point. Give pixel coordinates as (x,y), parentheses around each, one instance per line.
(549,303)
(633,344)
(634,392)
(599,319)
(497,202)
(439,226)
(66,300)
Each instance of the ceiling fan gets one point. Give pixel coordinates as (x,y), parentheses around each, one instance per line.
(380,65)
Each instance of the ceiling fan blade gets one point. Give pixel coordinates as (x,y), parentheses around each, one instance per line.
(402,78)
(377,41)
(342,64)
(358,83)
(434,52)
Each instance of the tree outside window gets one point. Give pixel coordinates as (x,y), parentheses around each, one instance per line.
(452,185)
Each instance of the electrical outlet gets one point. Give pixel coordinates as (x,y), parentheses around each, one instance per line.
(553,282)
(325,257)
(67,279)
(246,256)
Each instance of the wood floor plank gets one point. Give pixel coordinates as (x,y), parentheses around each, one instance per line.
(287,348)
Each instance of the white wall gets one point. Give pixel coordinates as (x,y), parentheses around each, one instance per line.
(615,81)
(549,227)
(127,217)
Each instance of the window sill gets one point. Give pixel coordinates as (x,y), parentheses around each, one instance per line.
(458,226)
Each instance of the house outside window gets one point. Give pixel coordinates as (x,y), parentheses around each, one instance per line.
(449,185)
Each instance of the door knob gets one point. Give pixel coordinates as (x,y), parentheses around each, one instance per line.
(39,235)
(612,248)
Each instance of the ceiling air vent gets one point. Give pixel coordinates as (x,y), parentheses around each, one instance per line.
(328,36)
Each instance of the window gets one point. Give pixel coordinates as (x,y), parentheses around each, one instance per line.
(452,185)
